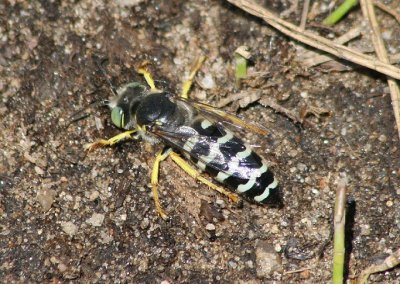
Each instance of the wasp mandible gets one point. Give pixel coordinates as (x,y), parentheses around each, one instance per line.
(195,131)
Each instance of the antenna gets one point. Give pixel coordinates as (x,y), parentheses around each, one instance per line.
(78,115)
(99,63)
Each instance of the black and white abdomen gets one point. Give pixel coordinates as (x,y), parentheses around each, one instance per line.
(230,161)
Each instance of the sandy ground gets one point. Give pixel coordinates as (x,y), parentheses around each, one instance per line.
(66,215)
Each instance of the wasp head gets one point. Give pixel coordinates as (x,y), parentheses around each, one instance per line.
(123,107)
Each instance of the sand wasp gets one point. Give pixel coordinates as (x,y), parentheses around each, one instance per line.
(195,131)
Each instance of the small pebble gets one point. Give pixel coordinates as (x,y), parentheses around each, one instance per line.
(123,217)
(365,230)
(210,227)
(251,234)
(274,229)
(62,267)
(382,138)
(45,197)
(39,170)
(302,167)
(143,264)
(54,260)
(178,61)
(201,95)
(96,220)
(278,248)
(232,264)
(94,195)
(305,274)
(207,82)
(145,223)
(220,203)
(69,228)
(304,95)
(105,238)
(315,191)
(292,153)
(268,260)
(386,35)
(99,124)
(94,172)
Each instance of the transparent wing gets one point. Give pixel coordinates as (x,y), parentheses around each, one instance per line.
(224,118)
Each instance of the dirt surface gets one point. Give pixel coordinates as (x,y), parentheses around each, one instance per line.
(70,216)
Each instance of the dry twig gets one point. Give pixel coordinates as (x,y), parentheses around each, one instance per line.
(304,14)
(315,60)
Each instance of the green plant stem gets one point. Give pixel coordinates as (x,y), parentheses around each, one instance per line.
(339,233)
(338,14)
(240,69)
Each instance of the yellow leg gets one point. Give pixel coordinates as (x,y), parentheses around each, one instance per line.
(195,174)
(147,76)
(113,140)
(161,156)
(188,83)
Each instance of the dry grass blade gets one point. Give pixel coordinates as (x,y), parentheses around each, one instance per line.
(304,14)
(316,41)
(319,59)
(369,13)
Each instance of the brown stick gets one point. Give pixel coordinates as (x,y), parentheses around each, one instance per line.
(304,14)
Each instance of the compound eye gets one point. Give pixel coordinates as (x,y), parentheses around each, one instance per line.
(118,117)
